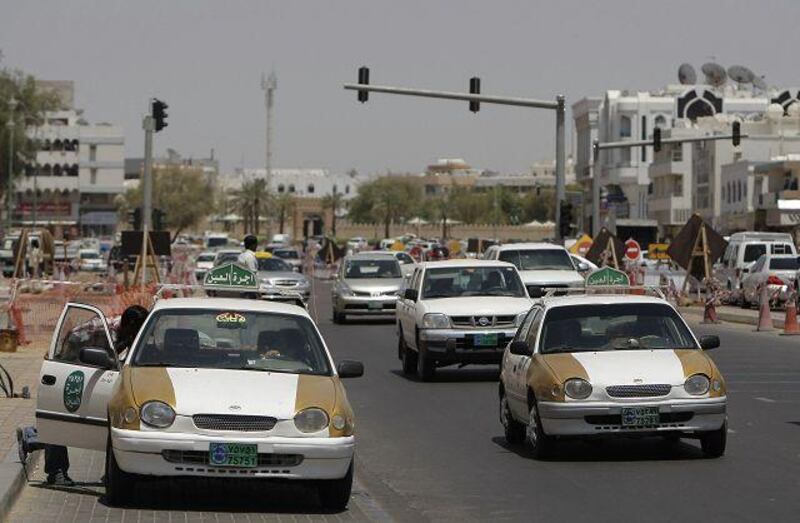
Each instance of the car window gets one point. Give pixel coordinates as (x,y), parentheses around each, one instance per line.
(451,282)
(538,259)
(286,254)
(223,339)
(273,264)
(759,263)
(784,264)
(530,339)
(781,248)
(205,258)
(613,327)
(386,268)
(753,251)
(404,258)
(522,332)
(81,328)
(734,256)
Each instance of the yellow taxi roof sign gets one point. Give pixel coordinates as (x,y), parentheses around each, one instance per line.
(263,254)
(581,245)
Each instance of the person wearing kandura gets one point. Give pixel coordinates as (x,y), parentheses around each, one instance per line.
(56,457)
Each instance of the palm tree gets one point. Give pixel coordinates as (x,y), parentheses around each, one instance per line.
(334,202)
(281,208)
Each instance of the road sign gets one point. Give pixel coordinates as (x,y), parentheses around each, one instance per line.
(230,276)
(607,277)
(632,250)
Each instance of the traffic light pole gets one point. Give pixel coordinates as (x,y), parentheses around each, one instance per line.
(557,106)
(148,124)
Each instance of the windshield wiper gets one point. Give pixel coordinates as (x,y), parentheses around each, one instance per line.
(165,364)
(431,296)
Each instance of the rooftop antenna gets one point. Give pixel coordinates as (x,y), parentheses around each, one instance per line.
(715,74)
(741,75)
(687,74)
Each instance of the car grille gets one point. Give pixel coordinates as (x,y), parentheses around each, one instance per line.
(638,391)
(200,457)
(233,422)
(474,322)
(285,283)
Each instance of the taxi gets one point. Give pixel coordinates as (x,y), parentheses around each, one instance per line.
(610,363)
(211,388)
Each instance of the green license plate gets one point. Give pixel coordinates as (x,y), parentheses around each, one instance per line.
(485,340)
(375,305)
(233,455)
(640,416)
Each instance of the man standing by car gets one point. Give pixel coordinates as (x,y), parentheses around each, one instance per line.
(248,257)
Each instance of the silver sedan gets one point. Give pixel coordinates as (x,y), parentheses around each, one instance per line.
(277,281)
(366,285)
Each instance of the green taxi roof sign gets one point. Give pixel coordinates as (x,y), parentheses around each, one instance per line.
(231,276)
(608,277)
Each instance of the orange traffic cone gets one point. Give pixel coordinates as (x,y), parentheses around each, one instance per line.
(790,327)
(710,309)
(764,315)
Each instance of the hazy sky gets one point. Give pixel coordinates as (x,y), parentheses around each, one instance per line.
(205,60)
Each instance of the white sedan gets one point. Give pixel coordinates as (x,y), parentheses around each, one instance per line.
(777,271)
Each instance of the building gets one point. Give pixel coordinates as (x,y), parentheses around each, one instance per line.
(77,174)
(776,193)
(134,167)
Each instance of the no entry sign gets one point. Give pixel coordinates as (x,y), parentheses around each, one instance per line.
(632,250)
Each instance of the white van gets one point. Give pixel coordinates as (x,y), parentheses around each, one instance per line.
(744,248)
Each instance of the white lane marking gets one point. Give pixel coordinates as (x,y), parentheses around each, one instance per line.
(765,400)
(731,431)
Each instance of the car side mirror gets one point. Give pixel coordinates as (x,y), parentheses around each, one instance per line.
(350,369)
(709,342)
(411,294)
(582,267)
(536,292)
(97,357)
(520,348)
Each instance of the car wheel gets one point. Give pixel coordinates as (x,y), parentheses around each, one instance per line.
(426,367)
(514,430)
(334,494)
(119,484)
(408,357)
(539,444)
(713,442)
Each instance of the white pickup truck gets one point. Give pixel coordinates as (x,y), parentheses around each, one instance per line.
(458,312)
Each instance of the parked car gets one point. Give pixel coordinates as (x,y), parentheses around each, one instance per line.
(582,265)
(542,266)
(776,271)
(278,282)
(203,263)
(744,249)
(366,285)
(357,243)
(226,256)
(291,257)
(91,261)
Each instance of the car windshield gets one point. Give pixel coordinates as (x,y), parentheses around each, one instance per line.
(754,251)
(538,259)
(608,327)
(224,339)
(784,264)
(89,255)
(273,264)
(451,282)
(363,269)
(226,257)
(205,258)
(216,242)
(287,254)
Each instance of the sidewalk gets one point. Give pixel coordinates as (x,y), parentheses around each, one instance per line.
(731,314)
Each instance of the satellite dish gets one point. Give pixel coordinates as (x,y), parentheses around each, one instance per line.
(759,83)
(686,74)
(715,74)
(740,74)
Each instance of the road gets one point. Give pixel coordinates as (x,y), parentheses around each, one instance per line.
(435,451)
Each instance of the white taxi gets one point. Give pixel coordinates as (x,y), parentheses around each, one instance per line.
(212,387)
(610,364)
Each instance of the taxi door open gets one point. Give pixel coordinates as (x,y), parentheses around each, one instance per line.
(76,380)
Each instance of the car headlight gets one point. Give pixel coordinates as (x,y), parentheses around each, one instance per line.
(311,420)
(435,321)
(520,319)
(697,384)
(157,414)
(303,283)
(345,290)
(266,281)
(577,388)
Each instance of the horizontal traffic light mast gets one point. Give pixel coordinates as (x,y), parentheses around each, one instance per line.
(637,143)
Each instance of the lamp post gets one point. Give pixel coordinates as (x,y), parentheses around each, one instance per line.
(12,105)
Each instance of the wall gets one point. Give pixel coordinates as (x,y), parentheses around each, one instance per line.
(345,229)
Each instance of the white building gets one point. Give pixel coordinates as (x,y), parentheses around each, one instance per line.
(77,174)
(303,183)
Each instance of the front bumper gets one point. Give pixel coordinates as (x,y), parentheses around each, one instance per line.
(462,346)
(289,294)
(591,418)
(385,304)
(141,452)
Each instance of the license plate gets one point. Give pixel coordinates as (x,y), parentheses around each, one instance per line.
(640,416)
(485,340)
(375,305)
(233,455)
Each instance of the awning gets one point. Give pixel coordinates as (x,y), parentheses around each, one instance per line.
(99,218)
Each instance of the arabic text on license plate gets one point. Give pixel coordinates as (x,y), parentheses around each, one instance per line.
(485,340)
(375,305)
(233,455)
(640,416)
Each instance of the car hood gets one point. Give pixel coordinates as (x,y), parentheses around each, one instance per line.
(281,275)
(478,305)
(551,277)
(630,367)
(374,284)
(225,391)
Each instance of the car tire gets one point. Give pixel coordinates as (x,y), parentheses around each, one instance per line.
(713,442)
(338,317)
(513,429)
(426,367)
(119,484)
(334,494)
(539,444)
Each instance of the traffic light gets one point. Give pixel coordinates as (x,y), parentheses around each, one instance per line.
(657,139)
(135,219)
(363,79)
(159,113)
(158,219)
(737,134)
(565,223)
(474,88)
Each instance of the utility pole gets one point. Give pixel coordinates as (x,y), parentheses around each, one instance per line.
(12,105)
(148,124)
(560,161)
(269,85)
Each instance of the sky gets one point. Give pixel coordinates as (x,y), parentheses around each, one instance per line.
(205,59)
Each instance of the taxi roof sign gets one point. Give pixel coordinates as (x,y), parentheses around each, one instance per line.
(230,276)
(608,277)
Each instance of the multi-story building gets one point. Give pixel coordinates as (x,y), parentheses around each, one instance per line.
(134,167)
(77,174)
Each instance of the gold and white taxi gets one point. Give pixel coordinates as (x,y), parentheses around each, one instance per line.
(212,387)
(610,364)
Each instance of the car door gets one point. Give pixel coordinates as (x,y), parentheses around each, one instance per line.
(72,403)
(518,365)
(406,315)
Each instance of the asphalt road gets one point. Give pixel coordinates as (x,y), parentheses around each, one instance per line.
(435,451)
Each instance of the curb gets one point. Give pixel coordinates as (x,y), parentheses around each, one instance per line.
(12,479)
(729,317)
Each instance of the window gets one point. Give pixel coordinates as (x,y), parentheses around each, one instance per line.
(660,121)
(753,251)
(81,328)
(781,248)
(92,153)
(334,188)
(377,268)
(310,188)
(454,282)
(784,264)
(538,259)
(93,176)
(291,188)
(281,188)
(644,137)
(347,189)
(624,126)
(677,152)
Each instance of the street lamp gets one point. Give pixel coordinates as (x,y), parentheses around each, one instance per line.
(12,105)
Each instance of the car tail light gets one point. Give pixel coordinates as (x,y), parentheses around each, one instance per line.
(774,280)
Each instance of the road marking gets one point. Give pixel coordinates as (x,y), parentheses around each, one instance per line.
(765,400)
(731,431)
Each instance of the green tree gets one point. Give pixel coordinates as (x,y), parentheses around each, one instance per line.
(539,205)
(185,195)
(333,202)
(385,200)
(281,206)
